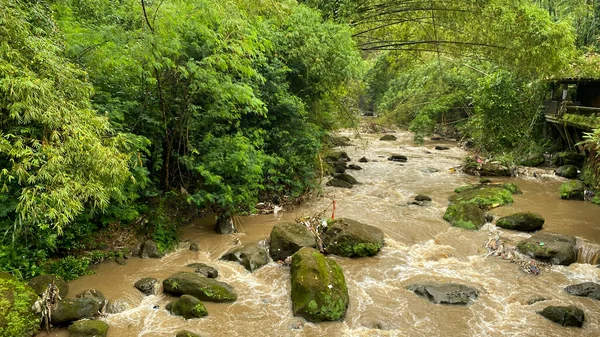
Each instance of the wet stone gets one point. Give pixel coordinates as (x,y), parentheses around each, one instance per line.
(194,247)
(442,148)
(363,160)
(398,157)
(388,138)
(148,286)
(565,316)
(586,289)
(204,270)
(445,293)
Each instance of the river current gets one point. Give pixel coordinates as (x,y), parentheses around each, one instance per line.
(419,246)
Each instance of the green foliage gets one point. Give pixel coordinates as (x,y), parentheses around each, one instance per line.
(16,299)
(69,268)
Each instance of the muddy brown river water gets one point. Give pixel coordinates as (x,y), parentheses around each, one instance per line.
(419,246)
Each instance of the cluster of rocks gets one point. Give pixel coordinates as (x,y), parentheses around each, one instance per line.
(338,160)
(319,290)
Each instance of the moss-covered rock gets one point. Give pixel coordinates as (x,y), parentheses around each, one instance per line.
(483,196)
(205,289)
(468,216)
(319,290)
(568,158)
(338,183)
(349,238)
(572,190)
(550,247)
(347,178)
(514,189)
(533,160)
(486,169)
(526,222)
(388,138)
(16,300)
(565,316)
(70,310)
(287,238)
(335,156)
(88,328)
(188,307)
(40,283)
(250,256)
(567,171)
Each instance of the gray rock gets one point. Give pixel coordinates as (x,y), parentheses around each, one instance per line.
(339,183)
(354,167)
(287,238)
(586,289)
(185,333)
(388,137)
(188,307)
(225,225)
(445,293)
(347,178)
(204,270)
(93,294)
(526,222)
(422,197)
(40,283)
(565,316)
(442,148)
(88,328)
(349,238)
(399,158)
(194,247)
(251,256)
(550,247)
(150,250)
(120,260)
(117,306)
(203,288)
(363,160)
(147,285)
(335,156)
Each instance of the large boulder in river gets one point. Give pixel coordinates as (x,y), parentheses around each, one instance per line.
(346,177)
(319,290)
(572,190)
(205,289)
(40,283)
(287,238)
(526,222)
(188,307)
(565,316)
(567,171)
(88,328)
(148,286)
(339,183)
(251,256)
(335,156)
(486,169)
(388,137)
(467,216)
(349,238)
(150,250)
(586,289)
(445,293)
(70,310)
(16,300)
(485,196)
(550,247)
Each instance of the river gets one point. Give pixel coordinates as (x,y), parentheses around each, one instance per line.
(419,246)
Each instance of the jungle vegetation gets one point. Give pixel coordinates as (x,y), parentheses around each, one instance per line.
(131,112)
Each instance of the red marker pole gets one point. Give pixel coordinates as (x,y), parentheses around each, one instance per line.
(333,212)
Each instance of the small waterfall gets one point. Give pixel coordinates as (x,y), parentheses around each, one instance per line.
(587,252)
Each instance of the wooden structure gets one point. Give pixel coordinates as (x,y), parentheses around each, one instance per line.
(573,107)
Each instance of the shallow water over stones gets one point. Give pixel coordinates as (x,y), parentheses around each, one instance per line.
(420,247)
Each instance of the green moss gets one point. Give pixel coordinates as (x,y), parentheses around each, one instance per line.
(319,290)
(88,328)
(572,190)
(466,216)
(16,300)
(514,189)
(484,196)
